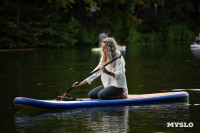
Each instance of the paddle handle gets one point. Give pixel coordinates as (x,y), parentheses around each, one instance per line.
(92,73)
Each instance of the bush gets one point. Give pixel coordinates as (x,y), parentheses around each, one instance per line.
(62,35)
(179,32)
(134,36)
(87,36)
(152,37)
(175,33)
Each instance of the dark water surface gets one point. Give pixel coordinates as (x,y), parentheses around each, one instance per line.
(45,74)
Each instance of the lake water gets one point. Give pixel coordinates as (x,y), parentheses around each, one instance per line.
(45,74)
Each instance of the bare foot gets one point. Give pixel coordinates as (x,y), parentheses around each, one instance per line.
(122,96)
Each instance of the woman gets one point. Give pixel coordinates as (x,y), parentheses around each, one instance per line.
(102,36)
(197,40)
(112,76)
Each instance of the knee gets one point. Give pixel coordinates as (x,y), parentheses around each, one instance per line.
(89,95)
(102,96)
(92,95)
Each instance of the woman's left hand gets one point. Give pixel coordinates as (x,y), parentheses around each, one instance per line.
(103,69)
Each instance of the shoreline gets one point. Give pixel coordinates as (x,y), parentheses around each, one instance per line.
(31,49)
(18,49)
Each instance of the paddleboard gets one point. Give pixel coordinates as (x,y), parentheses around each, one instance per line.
(83,103)
(121,48)
(195,45)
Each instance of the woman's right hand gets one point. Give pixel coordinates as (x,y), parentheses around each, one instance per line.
(75,84)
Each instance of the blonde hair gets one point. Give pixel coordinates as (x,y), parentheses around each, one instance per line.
(113,52)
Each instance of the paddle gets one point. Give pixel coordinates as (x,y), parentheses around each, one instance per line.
(73,98)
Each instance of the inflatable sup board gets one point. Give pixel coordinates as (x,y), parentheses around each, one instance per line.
(195,45)
(83,103)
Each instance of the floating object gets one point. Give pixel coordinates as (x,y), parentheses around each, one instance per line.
(83,103)
(121,48)
(195,49)
(195,45)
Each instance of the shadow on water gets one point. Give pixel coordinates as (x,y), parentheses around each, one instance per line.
(102,119)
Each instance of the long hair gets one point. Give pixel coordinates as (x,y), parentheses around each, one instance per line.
(113,52)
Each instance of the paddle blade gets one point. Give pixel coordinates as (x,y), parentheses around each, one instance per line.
(66,98)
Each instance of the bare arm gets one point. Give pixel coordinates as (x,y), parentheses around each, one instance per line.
(80,84)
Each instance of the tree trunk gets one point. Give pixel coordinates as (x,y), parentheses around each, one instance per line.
(17,13)
(198,11)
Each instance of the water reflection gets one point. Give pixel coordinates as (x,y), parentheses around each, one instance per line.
(196,52)
(104,119)
(108,120)
(185,89)
(101,119)
(154,118)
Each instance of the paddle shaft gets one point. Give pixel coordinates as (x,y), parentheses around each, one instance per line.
(92,73)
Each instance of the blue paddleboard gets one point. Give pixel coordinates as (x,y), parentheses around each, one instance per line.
(83,103)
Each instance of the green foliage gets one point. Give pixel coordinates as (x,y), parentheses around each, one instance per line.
(175,33)
(70,23)
(134,36)
(115,14)
(87,36)
(63,35)
(67,33)
(62,3)
(137,37)
(152,37)
(179,9)
(179,32)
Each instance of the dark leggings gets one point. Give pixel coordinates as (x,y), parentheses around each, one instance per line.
(110,92)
